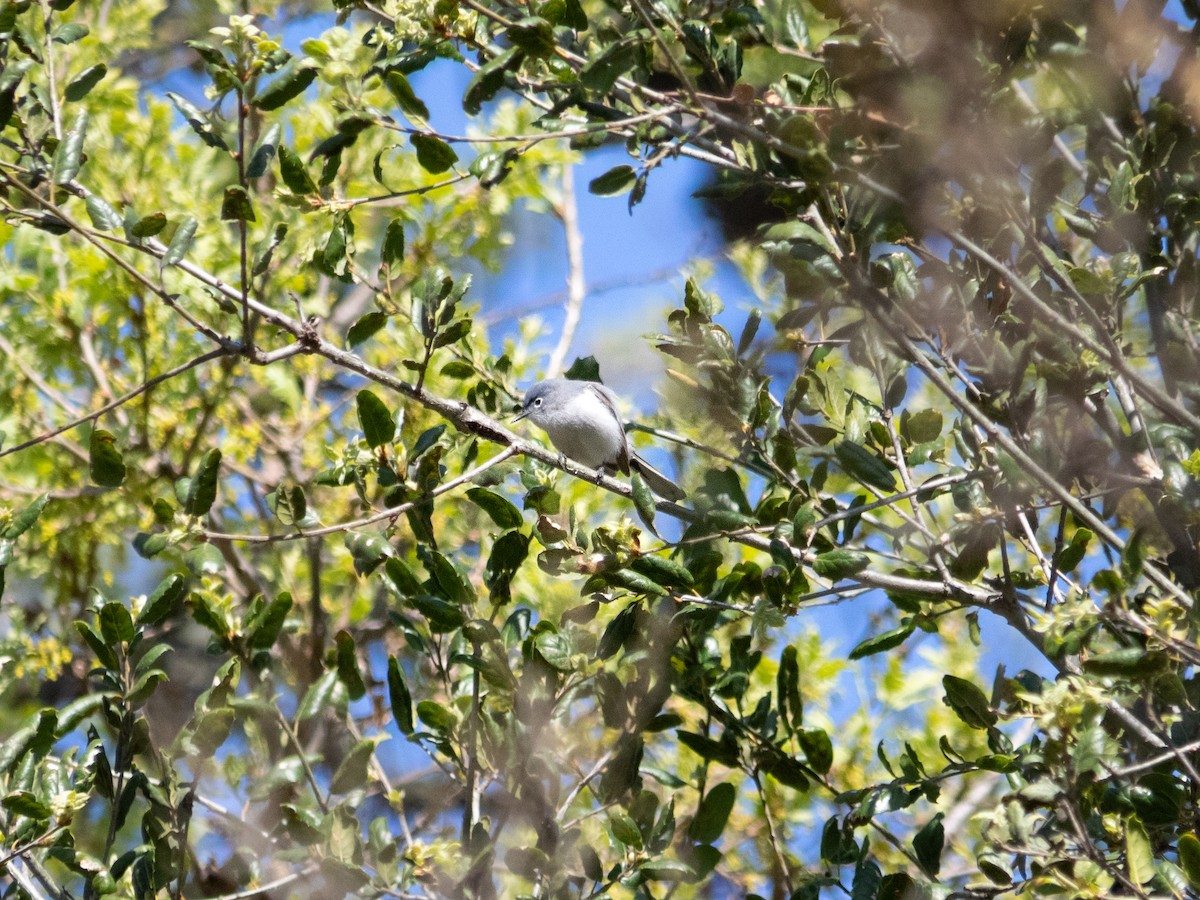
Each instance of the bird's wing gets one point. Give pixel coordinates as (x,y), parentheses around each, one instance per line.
(609,399)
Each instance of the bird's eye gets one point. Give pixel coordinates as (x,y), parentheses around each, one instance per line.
(537,402)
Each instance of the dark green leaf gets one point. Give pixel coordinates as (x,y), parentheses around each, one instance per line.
(164,601)
(347,666)
(352,773)
(204,560)
(202,492)
(624,829)
(368,551)
(705,747)
(263,628)
(260,159)
(288,83)
(236,206)
(393,243)
(534,35)
(446,577)
(198,122)
(107,467)
(147,226)
(69,155)
(25,803)
(818,749)
(294,173)
(289,503)
(601,74)
(1189,857)
(69,33)
(405,98)
(443,615)
(838,564)
(325,693)
(378,426)
(882,642)
(787,689)
(83,83)
(864,465)
(400,697)
(713,813)
(105,655)
(434,154)
(928,843)
(116,625)
(616,180)
(498,508)
(489,79)
(968,702)
(263,260)
(663,571)
(436,716)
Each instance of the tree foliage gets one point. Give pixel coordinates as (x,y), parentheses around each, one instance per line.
(243,366)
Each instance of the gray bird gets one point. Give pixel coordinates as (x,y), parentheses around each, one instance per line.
(582,421)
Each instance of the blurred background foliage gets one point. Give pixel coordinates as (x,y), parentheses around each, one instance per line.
(288,611)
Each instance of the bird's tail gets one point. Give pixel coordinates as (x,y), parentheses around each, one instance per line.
(656,480)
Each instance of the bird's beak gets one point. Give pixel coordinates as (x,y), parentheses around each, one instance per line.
(519,416)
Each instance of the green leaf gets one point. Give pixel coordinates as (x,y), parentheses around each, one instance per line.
(443,615)
(352,773)
(601,73)
(378,426)
(288,83)
(347,666)
(1139,854)
(236,206)
(105,655)
(616,180)
(643,501)
(624,829)
(401,699)
(103,216)
(393,243)
(368,551)
(164,601)
(713,813)
(663,571)
(263,260)
(294,173)
(34,737)
(556,649)
(263,628)
(24,520)
(446,577)
(787,689)
(1132,662)
(882,642)
(928,843)
(116,625)
(69,156)
(498,508)
(327,692)
(1072,555)
(489,79)
(264,152)
(864,465)
(921,427)
(147,226)
(705,747)
(106,465)
(534,35)
(968,702)
(202,491)
(69,33)
(818,749)
(1189,857)
(838,564)
(181,242)
(406,99)
(436,716)
(204,560)
(26,803)
(82,84)
(197,122)
(289,503)
(434,154)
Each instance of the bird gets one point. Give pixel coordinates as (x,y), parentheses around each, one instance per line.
(582,422)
